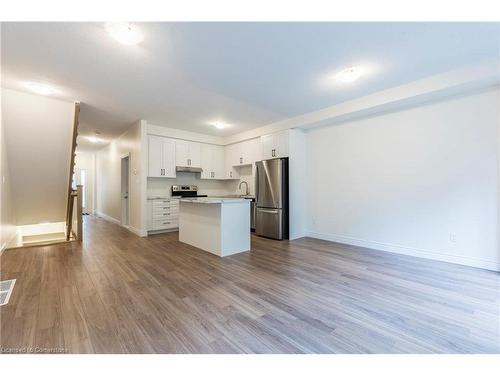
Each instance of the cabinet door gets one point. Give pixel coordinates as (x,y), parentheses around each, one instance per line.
(233,154)
(244,153)
(155,145)
(231,160)
(207,156)
(181,153)
(281,144)
(251,151)
(194,154)
(268,145)
(219,163)
(168,158)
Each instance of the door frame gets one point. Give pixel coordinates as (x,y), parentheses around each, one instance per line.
(122,206)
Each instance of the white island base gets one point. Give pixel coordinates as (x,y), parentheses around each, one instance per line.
(219,226)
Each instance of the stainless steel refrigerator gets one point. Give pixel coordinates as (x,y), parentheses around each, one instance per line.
(271,218)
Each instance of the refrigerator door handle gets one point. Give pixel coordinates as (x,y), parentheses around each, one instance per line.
(256,183)
(269,210)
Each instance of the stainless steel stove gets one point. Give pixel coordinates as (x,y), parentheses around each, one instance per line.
(184,191)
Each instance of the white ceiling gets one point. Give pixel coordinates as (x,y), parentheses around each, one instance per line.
(184,75)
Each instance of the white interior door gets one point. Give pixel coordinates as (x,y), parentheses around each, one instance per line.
(125,162)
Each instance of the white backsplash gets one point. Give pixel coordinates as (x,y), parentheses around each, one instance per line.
(245,175)
(161,187)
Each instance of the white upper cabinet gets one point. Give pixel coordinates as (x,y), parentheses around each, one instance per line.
(275,145)
(250,151)
(212,162)
(161,157)
(244,153)
(232,154)
(187,154)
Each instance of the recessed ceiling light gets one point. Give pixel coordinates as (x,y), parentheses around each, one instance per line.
(349,74)
(40,88)
(124,32)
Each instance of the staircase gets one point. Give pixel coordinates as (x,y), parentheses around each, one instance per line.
(74,213)
(41,135)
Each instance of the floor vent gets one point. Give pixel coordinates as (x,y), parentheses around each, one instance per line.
(6,288)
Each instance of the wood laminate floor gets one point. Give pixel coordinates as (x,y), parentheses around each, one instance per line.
(121,293)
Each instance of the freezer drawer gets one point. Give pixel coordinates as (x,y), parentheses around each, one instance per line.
(269,223)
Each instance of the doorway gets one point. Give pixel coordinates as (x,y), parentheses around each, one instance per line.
(80,177)
(125,201)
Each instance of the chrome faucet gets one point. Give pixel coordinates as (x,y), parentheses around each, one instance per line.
(246,184)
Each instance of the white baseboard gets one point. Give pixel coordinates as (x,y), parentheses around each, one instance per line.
(405,250)
(108,218)
(9,243)
(138,232)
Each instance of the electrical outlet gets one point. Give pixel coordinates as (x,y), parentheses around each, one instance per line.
(453,237)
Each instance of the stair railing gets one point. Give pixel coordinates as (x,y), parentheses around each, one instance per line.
(72,193)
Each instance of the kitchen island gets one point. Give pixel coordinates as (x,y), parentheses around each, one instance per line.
(220,226)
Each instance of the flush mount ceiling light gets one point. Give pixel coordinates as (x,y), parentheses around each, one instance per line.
(349,74)
(219,124)
(95,138)
(40,88)
(124,32)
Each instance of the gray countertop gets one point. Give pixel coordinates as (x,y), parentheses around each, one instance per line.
(160,198)
(212,200)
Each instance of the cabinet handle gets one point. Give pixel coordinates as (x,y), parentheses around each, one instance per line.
(241,160)
(231,174)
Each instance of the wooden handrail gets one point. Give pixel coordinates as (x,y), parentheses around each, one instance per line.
(69,203)
(79,212)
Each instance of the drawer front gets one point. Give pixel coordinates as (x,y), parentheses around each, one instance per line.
(159,210)
(165,224)
(162,215)
(165,203)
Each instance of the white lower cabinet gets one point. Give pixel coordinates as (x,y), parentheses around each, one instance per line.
(163,214)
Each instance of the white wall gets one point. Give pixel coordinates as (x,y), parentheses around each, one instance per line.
(7,215)
(38,133)
(108,178)
(411,181)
